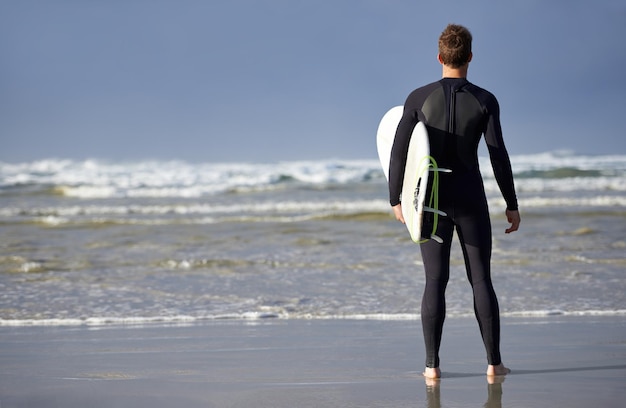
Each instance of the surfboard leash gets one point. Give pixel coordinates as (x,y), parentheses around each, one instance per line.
(433,200)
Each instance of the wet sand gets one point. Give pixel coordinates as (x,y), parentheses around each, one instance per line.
(557,361)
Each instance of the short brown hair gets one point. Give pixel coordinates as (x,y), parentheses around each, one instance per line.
(455,45)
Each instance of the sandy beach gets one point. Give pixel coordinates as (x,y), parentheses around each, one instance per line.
(557,361)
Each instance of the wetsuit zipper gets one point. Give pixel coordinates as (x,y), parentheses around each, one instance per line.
(452,111)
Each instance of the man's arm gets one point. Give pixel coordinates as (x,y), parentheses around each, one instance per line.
(399,153)
(499,156)
(501,165)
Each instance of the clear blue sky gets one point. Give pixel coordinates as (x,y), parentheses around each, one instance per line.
(275,80)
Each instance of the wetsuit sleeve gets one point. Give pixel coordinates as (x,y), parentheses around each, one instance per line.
(499,156)
(399,153)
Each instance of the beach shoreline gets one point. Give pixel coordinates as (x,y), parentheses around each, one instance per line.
(556,361)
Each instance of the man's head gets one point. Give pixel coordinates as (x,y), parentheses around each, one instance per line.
(455,46)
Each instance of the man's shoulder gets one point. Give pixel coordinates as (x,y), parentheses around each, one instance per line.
(423,91)
(428,87)
(477,90)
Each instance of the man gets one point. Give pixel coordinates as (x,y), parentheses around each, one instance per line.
(457,113)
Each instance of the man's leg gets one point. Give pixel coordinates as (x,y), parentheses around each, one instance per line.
(475,237)
(436,258)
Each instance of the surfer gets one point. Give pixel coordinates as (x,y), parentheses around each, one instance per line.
(457,113)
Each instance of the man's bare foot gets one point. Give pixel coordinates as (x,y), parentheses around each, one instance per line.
(495,379)
(430,372)
(434,382)
(499,369)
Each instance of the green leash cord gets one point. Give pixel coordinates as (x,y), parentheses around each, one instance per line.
(433,200)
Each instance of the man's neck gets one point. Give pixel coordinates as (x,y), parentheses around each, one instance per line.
(449,72)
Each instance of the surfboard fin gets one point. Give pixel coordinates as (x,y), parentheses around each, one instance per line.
(434,210)
(436,238)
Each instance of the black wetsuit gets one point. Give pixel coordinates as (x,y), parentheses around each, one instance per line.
(456,114)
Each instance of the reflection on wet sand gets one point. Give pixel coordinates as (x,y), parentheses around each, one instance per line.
(494,392)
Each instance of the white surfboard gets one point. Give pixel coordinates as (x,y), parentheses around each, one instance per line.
(418,166)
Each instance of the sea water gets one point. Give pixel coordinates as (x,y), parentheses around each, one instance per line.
(97,242)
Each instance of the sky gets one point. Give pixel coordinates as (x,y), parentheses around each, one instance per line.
(282,80)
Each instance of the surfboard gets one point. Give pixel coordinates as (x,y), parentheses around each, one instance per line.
(418,166)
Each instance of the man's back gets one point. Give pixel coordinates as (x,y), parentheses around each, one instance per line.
(456,113)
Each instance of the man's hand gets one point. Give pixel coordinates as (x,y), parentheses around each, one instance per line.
(397,211)
(513,217)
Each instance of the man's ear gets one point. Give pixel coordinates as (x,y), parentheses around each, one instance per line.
(441,59)
(470,57)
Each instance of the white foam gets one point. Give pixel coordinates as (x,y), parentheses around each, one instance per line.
(157,179)
(542,185)
(599,201)
(262,315)
(557,312)
(97,179)
(268,211)
(561,159)
(268,207)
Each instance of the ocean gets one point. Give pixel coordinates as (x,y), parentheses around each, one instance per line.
(96,242)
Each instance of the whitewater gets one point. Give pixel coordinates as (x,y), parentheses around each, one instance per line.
(100,242)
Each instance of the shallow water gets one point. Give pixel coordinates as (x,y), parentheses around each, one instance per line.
(309,240)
